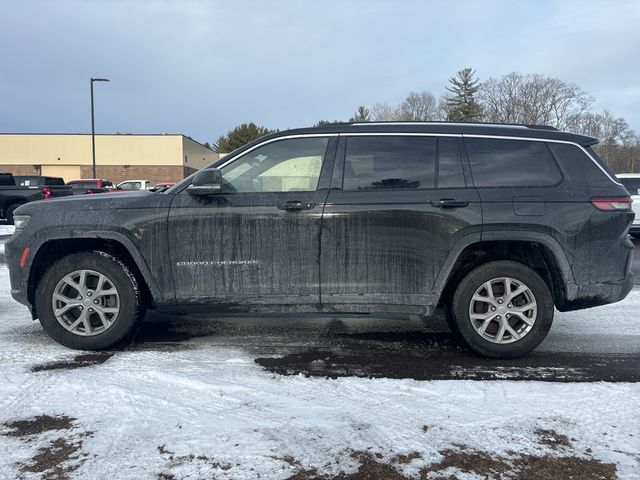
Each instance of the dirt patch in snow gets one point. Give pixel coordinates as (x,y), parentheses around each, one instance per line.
(79,361)
(50,460)
(37,425)
(552,439)
(55,459)
(455,365)
(177,461)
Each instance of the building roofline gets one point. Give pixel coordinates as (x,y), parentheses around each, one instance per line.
(110,135)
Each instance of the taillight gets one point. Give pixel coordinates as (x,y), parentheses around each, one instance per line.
(46,191)
(612,204)
(88,191)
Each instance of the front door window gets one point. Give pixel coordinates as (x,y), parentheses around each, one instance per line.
(290,165)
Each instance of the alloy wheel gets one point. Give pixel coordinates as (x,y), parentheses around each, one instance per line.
(503,310)
(86,302)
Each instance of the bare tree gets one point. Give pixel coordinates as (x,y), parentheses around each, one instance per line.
(534,99)
(420,107)
(383,112)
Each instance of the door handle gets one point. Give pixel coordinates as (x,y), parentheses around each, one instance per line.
(449,203)
(294,205)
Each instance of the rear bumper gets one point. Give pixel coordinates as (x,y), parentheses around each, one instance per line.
(596,294)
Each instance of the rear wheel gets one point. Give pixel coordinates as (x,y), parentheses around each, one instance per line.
(89,301)
(503,309)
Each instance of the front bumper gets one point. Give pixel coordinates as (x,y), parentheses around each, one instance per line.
(18,275)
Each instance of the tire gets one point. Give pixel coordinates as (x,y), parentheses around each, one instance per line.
(100,316)
(514,327)
(451,321)
(8,214)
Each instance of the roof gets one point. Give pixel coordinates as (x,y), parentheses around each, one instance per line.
(504,130)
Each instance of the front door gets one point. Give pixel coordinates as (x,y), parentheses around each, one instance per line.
(258,240)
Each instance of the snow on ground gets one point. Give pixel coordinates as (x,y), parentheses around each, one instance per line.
(209,411)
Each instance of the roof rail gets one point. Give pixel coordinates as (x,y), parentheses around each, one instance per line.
(461,124)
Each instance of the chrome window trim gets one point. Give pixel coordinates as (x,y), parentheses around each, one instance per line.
(271,140)
(425,134)
(548,140)
(399,134)
(452,124)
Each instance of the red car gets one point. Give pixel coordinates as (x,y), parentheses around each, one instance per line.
(90,185)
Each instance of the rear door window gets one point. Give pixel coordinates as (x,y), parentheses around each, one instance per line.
(450,173)
(511,163)
(389,162)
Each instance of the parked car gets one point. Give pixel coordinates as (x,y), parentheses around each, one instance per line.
(129,185)
(13,195)
(497,224)
(90,185)
(631,181)
(37,180)
(160,187)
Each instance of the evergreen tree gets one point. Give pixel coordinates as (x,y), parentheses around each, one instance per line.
(239,136)
(462,105)
(361,115)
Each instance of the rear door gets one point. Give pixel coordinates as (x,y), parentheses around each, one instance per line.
(258,241)
(397,207)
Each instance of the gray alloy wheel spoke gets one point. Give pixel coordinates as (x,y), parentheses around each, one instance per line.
(484,326)
(82,304)
(503,317)
(65,308)
(105,323)
(524,318)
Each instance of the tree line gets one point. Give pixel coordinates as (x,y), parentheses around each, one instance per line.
(531,99)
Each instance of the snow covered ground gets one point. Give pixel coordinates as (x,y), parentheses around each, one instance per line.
(207,410)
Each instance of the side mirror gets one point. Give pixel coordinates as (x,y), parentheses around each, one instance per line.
(206,182)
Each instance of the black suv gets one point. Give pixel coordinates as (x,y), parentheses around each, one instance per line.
(495,223)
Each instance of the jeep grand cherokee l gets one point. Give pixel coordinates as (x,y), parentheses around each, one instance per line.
(498,224)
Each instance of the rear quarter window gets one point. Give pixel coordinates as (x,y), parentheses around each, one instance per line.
(577,166)
(511,163)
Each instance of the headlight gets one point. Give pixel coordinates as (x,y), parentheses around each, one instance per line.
(20,221)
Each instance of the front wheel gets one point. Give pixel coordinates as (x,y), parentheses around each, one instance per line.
(503,309)
(89,301)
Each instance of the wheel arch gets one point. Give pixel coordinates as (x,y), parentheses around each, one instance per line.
(540,252)
(55,248)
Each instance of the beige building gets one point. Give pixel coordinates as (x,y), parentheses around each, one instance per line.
(159,158)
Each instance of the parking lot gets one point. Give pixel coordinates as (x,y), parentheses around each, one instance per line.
(321,396)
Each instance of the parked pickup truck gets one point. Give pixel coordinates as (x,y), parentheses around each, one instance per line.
(12,195)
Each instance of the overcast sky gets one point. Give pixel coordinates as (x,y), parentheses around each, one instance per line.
(202,67)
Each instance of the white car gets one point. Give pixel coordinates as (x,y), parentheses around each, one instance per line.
(134,185)
(631,181)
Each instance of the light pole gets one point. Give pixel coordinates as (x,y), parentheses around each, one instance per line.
(93,128)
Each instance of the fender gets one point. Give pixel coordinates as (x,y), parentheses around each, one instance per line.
(544,239)
(114,236)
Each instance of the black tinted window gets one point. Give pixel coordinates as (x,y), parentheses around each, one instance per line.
(449,164)
(511,163)
(631,184)
(389,163)
(53,181)
(576,165)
